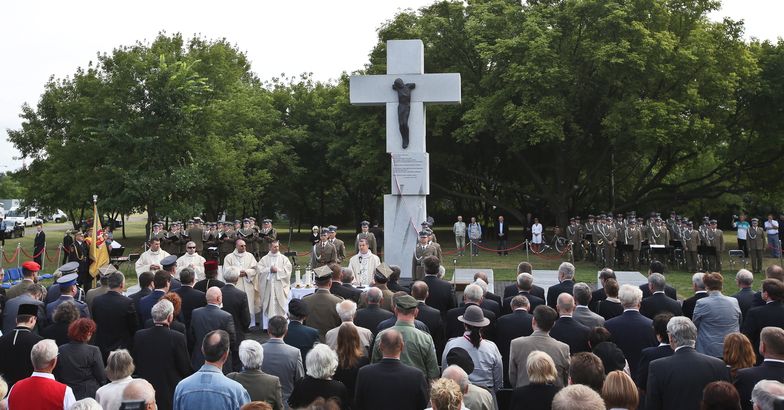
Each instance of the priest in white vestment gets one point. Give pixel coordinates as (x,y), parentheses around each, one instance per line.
(363,264)
(274,282)
(191,260)
(150,260)
(245,262)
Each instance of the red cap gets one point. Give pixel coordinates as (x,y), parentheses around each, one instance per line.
(211,266)
(31,266)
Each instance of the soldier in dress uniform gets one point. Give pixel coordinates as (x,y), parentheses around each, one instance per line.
(366,234)
(255,243)
(80,253)
(691,243)
(171,240)
(211,239)
(633,236)
(610,235)
(423,249)
(590,234)
(429,225)
(226,238)
(321,304)
(157,231)
(196,235)
(574,234)
(248,234)
(756,239)
(620,229)
(436,245)
(340,247)
(323,252)
(267,235)
(714,237)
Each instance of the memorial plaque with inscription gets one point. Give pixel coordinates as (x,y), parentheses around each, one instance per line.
(410,174)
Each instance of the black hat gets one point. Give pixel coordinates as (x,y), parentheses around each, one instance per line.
(298,308)
(460,357)
(27,309)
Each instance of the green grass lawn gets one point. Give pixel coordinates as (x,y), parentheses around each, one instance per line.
(504,267)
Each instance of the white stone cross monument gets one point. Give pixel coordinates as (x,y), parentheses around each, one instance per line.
(406,207)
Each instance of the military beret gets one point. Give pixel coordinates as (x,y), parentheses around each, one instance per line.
(32,266)
(459,357)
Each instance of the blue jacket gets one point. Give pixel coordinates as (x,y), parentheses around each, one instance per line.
(209,389)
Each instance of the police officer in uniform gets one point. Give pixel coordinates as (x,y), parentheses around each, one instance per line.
(68,291)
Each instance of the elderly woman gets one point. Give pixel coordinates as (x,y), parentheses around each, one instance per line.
(321,364)
(445,394)
(488,367)
(79,364)
(64,315)
(260,386)
(119,368)
(539,394)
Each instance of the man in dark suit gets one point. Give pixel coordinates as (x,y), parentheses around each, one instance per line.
(191,298)
(488,304)
(298,335)
(488,295)
(39,243)
(32,296)
(336,287)
(677,382)
(161,354)
(772,368)
(347,278)
(502,234)
(631,331)
(145,288)
(771,272)
(744,279)
(600,294)
(568,330)
(524,287)
(429,316)
(161,281)
(699,293)
(658,267)
(390,384)
(235,302)
(511,326)
(115,317)
(770,314)
(565,285)
(658,302)
(441,294)
(650,354)
(512,290)
(373,314)
(472,295)
(15,346)
(206,319)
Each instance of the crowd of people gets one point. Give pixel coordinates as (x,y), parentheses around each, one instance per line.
(190,337)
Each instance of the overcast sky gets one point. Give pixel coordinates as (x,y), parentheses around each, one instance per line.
(41,38)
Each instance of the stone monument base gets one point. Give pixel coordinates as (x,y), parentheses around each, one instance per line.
(403,215)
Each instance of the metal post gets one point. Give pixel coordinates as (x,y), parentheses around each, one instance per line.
(59,255)
(43,258)
(527,256)
(18,252)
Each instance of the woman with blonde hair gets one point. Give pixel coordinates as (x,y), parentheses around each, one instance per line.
(539,394)
(619,391)
(738,352)
(445,394)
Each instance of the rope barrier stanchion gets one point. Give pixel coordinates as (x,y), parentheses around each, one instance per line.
(43,260)
(2,255)
(59,255)
(16,254)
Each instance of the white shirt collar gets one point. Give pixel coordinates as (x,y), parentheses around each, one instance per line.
(44,375)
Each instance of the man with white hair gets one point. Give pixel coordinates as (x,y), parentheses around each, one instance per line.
(191,260)
(474,397)
(565,285)
(676,382)
(274,282)
(699,293)
(41,390)
(347,309)
(260,386)
(370,316)
(744,279)
(488,303)
(161,354)
(631,331)
(766,393)
(363,264)
(140,390)
(245,262)
(577,397)
(472,295)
